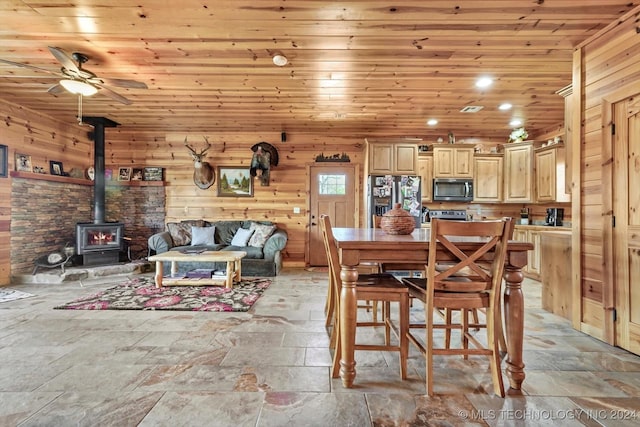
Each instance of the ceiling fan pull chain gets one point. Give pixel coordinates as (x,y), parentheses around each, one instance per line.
(80,109)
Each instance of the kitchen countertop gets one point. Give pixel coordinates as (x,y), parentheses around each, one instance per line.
(538,227)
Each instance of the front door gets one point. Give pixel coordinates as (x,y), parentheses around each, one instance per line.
(333,192)
(626,233)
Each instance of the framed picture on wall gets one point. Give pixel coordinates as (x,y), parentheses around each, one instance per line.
(4,162)
(234,181)
(152,174)
(55,168)
(23,163)
(136,174)
(124,174)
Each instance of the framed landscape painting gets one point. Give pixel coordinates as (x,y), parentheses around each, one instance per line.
(234,181)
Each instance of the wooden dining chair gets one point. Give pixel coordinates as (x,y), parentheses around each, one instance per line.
(469,279)
(382,287)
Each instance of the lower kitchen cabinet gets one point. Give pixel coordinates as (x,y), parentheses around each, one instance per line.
(555,268)
(530,234)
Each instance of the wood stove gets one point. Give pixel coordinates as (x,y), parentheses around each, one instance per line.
(99,243)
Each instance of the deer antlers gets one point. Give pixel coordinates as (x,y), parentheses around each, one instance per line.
(203,174)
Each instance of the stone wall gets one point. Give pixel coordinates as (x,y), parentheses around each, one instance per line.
(141,209)
(44,216)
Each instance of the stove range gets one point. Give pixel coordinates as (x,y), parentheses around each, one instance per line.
(452,214)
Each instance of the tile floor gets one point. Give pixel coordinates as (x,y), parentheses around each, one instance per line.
(270,367)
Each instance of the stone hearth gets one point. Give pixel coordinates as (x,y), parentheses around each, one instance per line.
(79,273)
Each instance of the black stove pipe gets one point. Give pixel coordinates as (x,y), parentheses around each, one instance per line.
(99,123)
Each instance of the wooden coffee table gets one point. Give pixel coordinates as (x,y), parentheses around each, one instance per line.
(232,258)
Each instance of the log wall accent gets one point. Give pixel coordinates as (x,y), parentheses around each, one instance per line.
(608,70)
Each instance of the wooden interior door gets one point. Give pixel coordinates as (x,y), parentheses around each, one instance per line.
(626,232)
(332,192)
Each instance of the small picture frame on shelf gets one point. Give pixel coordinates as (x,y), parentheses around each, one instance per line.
(23,163)
(4,162)
(152,174)
(136,174)
(124,174)
(55,168)
(108,174)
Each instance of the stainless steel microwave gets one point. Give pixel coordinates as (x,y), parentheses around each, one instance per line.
(452,190)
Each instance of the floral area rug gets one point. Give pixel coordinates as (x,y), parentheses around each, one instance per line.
(142,294)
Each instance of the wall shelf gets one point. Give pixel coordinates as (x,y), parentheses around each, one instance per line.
(135,183)
(82,181)
(49,177)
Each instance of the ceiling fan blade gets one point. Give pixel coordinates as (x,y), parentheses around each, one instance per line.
(64,58)
(129,84)
(113,95)
(56,89)
(32,67)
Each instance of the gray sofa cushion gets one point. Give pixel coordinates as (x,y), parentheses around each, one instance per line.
(225,230)
(252,252)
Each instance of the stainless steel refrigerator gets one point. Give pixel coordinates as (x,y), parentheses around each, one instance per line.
(386,190)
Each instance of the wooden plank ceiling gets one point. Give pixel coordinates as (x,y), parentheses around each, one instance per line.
(358,68)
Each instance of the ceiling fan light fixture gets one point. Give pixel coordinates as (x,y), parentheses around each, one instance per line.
(280,60)
(78,88)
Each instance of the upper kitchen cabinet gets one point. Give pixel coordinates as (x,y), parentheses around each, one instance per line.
(425,170)
(550,174)
(487,178)
(567,94)
(518,172)
(392,158)
(453,160)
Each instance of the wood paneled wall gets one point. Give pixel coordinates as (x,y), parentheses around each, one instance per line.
(608,70)
(44,139)
(288,185)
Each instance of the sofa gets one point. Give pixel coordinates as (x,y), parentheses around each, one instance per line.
(263,242)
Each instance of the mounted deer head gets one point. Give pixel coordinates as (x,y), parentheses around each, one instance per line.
(203,174)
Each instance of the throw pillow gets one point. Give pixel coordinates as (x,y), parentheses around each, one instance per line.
(241,237)
(203,236)
(181,231)
(261,234)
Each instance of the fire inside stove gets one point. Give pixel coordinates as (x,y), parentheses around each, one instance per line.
(99,243)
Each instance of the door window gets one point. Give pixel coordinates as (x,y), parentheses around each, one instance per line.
(329,185)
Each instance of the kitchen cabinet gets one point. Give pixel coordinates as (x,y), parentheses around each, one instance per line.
(531,235)
(550,174)
(487,178)
(518,172)
(567,93)
(391,158)
(453,160)
(425,170)
(555,272)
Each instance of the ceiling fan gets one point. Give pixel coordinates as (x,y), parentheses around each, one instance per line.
(81,81)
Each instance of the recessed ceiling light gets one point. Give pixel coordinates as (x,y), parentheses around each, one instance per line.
(280,60)
(515,122)
(484,82)
(432,122)
(505,106)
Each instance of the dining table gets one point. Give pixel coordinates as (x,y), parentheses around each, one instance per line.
(358,245)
